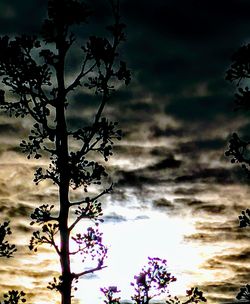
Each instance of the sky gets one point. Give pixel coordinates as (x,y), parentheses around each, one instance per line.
(176,194)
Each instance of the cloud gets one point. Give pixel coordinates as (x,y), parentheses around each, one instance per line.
(150,174)
(201,146)
(163,203)
(220,292)
(167,163)
(187,42)
(168,131)
(239,257)
(114,217)
(134,179)
(212,175)
(13,18)
(200,108)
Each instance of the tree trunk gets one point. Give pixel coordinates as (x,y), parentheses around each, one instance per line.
(62,149)
(64,175)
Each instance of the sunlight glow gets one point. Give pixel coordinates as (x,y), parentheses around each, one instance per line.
(130,242)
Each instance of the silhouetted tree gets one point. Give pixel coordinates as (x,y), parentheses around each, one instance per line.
(152,281)
(6,251)
(239,148)
(33,70)
(238,73)
(244,294)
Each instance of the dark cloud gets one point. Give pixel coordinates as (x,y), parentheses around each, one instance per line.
(242,256)
(244,131)
(218,227)
(188,42)
(212,231)
(19,17)
(212,238)
(76,122)
(189,191)
(123,96)
(200,108)
(191,20)
(37,198)
(180,38)
(19,210)
(202,208)
(113,217)
(160,171)
(83,100)
(220,292)
(142,217)
(162,203)
(168,131)
(167,163)
(211,209)
(134,179)
(9,129)
(9,209)
(212,175)
(202,145)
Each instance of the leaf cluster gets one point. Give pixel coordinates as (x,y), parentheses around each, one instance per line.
(33,70)
(46,236)
(152,281)
(194,295)
(19,70)
(244,218)
(90,246)
(6,249)
(84,172)
(92,210)
(239,71)
(29,69)
(64,13)
(14,297)
(240,66)
(56,284)
(244,293)
(110,295)
(238,151)
(42,214)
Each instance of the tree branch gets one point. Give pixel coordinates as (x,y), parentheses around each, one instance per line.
(76,82)
(55,246)
(87,200)
(77,275)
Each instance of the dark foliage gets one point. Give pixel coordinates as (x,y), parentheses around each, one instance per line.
(110,294)
(244,293)
(244,218)
(239,71)
(238,151)
(238,148)
(32,69)
(152,281)
(14,297)
(194,295)
(6,249)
